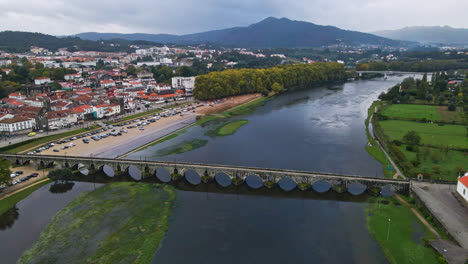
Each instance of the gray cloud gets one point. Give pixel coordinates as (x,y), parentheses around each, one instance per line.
(61,17)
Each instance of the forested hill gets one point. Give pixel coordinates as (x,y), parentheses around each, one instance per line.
(278,79)
(268,33)
(15,41)
(441,35)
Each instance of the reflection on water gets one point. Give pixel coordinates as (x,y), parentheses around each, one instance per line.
(8,218)
(21,226)
(61,187)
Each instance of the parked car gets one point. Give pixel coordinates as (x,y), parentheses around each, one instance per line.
(55,150)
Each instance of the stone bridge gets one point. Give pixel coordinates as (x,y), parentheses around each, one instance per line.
(194,173)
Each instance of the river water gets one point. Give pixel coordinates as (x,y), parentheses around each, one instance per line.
(320,130)
(317,130)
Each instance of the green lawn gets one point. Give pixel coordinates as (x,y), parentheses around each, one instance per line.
(432,134)
(9,202)
(438,163)
(36,142)
(412,111)
(447,116)
(402,245)
(119,223)
(246,108)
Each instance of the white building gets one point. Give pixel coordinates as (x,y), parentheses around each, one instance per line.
(73,77)
(462,186)
(15,124)
(187,83)
(42,80)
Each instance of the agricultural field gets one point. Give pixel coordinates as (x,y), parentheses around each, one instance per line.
(412,111)
(427,112)
(452,136)
(438,163)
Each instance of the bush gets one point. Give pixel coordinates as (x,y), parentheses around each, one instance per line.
(64,174)
(415,163)
(452,107)
(397,142)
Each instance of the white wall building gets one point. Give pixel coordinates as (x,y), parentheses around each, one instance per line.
(187,83)
(16,124)
(462,186)
(42,80)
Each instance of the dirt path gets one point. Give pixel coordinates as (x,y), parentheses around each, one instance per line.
(419,216)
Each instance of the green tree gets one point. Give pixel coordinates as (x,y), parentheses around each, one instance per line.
(62,175)
(58,74)
(412,138)
(5,172)
(277,88)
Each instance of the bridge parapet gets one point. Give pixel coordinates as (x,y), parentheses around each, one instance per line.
(274,175)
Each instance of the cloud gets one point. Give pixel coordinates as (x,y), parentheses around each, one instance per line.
(61,17)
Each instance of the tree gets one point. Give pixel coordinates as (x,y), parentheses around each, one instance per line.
(412,138)
(63,175)
(58,74)
(277,88)
(452,107)
(5,172)
(131,70)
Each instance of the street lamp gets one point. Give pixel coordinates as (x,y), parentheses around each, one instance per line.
(388,230)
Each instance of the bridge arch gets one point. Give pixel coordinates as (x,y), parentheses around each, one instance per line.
(222,179)
(163,175)
(192,177)
(287,184)
(254,181)
(134,173)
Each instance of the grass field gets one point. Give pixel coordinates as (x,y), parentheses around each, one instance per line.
(404,244)
(432,134)
(412,111)
(25,145)
(119,223)
(428,112)
(438,163)
(10,201)
(182,147)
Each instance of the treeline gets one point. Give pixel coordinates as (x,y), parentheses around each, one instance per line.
(13,41)
(414,66)
(216,85)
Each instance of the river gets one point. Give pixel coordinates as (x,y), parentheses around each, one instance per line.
(319,130)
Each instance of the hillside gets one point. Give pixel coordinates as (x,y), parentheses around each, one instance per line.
(268,33)
(15,41)
(441,35)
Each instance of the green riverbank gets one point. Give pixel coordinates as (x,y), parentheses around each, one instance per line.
(120,222)
(374,150)
(12,200)
(407,236)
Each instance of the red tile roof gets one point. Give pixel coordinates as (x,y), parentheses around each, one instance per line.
(464,181)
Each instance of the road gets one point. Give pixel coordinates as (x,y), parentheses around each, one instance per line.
(441,201)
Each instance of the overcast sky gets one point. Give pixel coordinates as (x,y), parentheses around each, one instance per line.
(64,17)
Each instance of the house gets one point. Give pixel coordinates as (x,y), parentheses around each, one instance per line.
(16,124)
(42,80)
(17,96)
(73,77)
(145,74)
(186,83)
(104,110)
(462,187)
(107,83)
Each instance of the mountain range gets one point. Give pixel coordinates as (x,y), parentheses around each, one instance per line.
(430,35)
(268,33)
